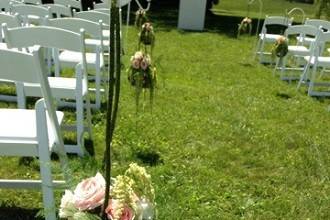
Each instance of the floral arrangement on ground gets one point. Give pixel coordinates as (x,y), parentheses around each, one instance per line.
(132,197)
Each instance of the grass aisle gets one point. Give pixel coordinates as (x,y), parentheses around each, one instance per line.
(234,141)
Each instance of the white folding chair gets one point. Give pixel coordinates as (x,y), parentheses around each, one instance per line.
(265,37)
(76,4)
(94,59)
(31,14)
(31,132)
(318,60)
(96,16)
(296,52)
(59,11)
(75,89)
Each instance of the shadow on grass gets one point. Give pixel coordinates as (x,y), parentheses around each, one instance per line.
(16,213)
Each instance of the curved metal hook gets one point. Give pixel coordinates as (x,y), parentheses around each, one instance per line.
(297,9)
(140,6)
(261,5)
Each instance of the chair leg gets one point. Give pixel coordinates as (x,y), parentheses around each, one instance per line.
(303,76)
(311,83)
(80,124)
(98,87)
(45,163)
(261,53)
(21,99)
(257,50)
(276,66)
(283,66)
(89,116)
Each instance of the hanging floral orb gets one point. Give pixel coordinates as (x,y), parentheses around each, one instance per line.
(245,26)
(140,17)
(141,73)
(147,35)
(280,48)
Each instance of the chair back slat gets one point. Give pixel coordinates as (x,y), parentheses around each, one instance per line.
(319,23)
(50,37)
(278,20)
(302,30)
(75,24)
(4,5)
(94,16)
(25,10)
(11,20)
(59,10)
(72,3)
(33,2)
(17,66)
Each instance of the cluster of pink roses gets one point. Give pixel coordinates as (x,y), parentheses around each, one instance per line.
(88,195)
(140,61)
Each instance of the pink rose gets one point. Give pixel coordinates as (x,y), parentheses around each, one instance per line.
(136,64)
(89,193)
(127,213)
(144,64)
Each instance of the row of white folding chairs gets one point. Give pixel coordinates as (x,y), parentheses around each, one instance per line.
(270,37)
(75,89)
(310,56)
(32,132)
(95,59)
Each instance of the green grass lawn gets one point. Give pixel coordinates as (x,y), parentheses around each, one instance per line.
(234,142)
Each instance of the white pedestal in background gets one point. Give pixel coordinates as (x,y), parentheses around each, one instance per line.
(192,14)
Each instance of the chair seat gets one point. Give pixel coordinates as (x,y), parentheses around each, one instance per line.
(92,43)
(322,61)
(306,39)
(19,126)
(299,50)
(61,88)
(269,37)
(71,57)
(3,46)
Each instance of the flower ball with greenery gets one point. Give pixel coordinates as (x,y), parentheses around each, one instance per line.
(141,72)
(245,26)
(140,17)
(280,48)
(147,35)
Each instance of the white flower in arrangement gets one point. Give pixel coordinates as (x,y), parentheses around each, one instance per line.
(67,208)
(138,55)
